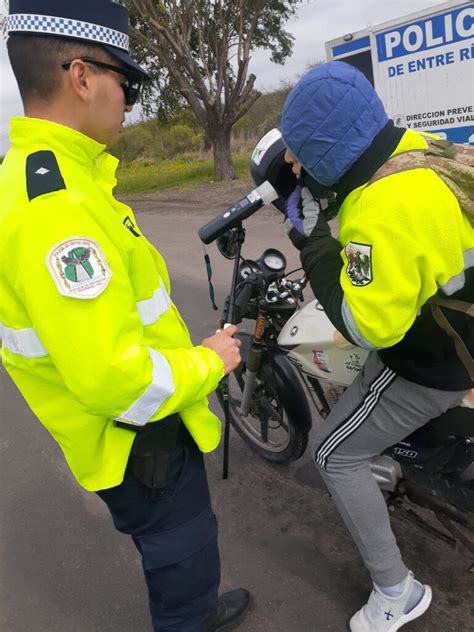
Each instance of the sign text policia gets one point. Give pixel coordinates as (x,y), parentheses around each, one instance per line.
(433,37)
(421,66)
(423,71)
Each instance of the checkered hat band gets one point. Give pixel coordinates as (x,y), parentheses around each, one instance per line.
(45,24)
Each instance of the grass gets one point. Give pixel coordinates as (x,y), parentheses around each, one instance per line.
(143,176)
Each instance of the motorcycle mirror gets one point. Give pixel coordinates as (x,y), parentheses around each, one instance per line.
(227,244)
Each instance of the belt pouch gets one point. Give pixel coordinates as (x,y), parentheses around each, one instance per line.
(152,451)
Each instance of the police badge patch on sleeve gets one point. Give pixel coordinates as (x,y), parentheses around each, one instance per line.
(359,263)
(79,268)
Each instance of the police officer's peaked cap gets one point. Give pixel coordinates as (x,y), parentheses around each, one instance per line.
(98,21)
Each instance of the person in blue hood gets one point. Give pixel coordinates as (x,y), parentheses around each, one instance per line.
(402,239)
(132,423)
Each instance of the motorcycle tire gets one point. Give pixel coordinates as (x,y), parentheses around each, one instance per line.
(273,397)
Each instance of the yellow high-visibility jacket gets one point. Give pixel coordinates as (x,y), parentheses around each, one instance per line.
(410,233)
(401,240)
(90,333)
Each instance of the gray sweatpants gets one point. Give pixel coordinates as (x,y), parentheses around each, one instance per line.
(376,411)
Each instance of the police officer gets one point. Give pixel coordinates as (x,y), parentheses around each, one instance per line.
(90,334)
(402,239)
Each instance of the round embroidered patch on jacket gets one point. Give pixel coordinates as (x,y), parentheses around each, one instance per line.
(79,268)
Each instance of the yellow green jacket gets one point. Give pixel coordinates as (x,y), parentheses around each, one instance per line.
(401,240)
(90,333)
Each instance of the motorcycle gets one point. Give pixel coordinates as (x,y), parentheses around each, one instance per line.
(295,356)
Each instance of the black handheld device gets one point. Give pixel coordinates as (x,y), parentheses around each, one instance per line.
(235,215)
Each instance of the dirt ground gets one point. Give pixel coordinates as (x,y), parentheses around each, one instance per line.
(209,197)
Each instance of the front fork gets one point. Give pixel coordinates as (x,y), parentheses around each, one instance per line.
(254,362)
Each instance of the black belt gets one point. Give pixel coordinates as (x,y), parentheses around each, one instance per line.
(170,419)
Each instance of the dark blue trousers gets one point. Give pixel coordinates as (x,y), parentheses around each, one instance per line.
(176,536)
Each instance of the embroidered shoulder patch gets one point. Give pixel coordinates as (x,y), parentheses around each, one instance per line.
(79,268)
(359,263)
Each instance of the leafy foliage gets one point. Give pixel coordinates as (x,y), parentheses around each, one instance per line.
(3,18)
(151,141)
(156,140)
(198,53)
(214,32)
(177,173)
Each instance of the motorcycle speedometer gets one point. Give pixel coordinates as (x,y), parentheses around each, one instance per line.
(274,260)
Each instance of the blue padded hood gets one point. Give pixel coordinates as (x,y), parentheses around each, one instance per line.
(330,118)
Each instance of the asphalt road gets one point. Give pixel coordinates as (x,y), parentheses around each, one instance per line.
(63,568)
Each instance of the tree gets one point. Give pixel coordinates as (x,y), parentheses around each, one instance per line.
(200,51)
(3,18)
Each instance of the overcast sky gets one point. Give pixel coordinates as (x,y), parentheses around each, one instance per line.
(317,21)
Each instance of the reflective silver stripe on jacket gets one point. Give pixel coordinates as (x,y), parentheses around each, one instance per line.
(458,282)
(353,330)
(161,387)
(152,308)
(24,342)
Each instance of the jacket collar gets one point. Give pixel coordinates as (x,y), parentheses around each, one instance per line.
(382,147)
(35,134)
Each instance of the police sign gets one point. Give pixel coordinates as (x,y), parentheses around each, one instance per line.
(432,33)
(421,66)
(422,71)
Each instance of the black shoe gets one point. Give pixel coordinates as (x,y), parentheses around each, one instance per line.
(231,609)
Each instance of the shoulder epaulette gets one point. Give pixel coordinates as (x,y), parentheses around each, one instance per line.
(42,174)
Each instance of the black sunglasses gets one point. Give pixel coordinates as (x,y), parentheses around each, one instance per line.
(131,88)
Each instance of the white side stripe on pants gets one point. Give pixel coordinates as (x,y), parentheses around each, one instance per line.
(357,418)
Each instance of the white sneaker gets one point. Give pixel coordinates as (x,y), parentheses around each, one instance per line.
(387,614)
